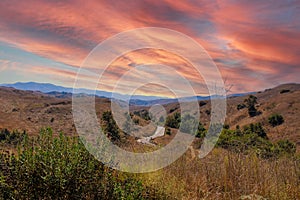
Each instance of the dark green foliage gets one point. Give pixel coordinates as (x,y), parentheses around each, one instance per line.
(257,129)
(250,103)
(226,126)
(127,126)
(188,124)
(143,114)
(136,121)
(276,120)
(202,103)
(173,120)
(110,126)
(168,131)
(201,132)
(253,137)
(207,112)
(173,109)
(13,137)
(241,106)
(61,168)
(286,146)
(284,91)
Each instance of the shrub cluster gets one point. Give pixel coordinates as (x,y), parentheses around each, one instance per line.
(13,137)
(144,114)
(253,137)
(61,168)
(276,120)
(173,121)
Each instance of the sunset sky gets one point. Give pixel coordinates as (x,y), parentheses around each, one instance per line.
(255,44)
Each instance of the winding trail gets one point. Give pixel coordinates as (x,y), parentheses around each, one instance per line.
(159,132)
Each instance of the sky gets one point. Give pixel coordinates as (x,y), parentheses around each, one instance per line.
(255,44)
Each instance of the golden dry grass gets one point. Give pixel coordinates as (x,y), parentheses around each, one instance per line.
(227,175)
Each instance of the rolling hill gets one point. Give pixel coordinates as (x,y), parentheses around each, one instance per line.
(32,110)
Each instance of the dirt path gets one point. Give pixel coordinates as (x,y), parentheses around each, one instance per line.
(160,131)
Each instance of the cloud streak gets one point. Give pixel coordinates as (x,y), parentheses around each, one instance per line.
(254,42)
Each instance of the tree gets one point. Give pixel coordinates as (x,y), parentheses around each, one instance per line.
(127,126)
(168,131)
(174,120)
(276,120)
(188,124)
(110,126)
(250,104)
(257,129)
(201,132)
(241,106)
(285,146)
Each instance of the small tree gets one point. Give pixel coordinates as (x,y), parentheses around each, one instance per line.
(110,126)
(201,132)
(174,120)
(276,120)
(127,126)
(250,104)
(241,106)
(256,129)
(168,131)
(285,146)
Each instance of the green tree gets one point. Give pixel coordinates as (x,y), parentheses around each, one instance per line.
(127,126)
(174,120)
(250,102)
(201,132)
(276,120)
(110,126)
(255,128)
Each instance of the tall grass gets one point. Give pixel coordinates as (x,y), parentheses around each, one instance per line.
(47,167)
(230,175)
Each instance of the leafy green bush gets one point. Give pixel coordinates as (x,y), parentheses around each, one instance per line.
(201,132)
(61,168)
(240,106)
(110,126)
(144,114)
(250,104)
(276,120)
(253,137)
(284,91)
(13,137)
(257,129)
(285,146)
(173,121)
(168,131)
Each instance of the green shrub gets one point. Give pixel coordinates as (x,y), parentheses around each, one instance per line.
(286,147)
(173,121)
(110,127)
(276,120)
(253,137)
(250,104)
(284,91)
(61,168)
(13,137)
(257,129)
(168,131)
(144,114)
(240,106)
(201,132)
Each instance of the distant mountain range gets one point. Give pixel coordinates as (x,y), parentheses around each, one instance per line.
(60,91)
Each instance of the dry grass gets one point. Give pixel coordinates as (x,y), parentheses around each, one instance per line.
(227,175)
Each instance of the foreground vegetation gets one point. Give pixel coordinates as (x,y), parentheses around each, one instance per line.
(47,167)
